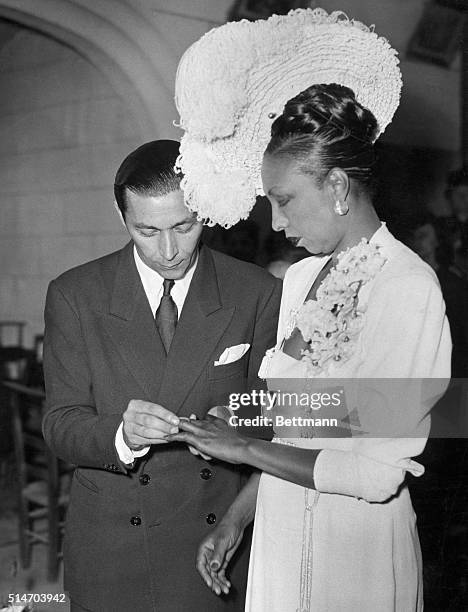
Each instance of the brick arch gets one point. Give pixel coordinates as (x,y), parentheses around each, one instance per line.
(120,44)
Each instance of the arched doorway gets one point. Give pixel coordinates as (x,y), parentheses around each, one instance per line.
(64,128)
(119,42)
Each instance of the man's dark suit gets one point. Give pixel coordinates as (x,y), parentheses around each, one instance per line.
(132,535)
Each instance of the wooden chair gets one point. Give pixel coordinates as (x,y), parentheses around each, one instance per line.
(42,480)
(13,355)
(17,328)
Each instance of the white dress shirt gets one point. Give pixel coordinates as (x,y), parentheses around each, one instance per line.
(153,285)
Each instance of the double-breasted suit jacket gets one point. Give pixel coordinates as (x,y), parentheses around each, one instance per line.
(132,533)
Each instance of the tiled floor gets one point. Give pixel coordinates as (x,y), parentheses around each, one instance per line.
(14,579)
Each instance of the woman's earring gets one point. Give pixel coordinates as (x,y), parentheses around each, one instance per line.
(341,208)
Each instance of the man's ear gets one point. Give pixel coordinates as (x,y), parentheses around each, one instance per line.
(338,184)
(119,212)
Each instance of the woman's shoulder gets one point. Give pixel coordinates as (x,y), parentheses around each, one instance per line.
(403,265)
(404,283)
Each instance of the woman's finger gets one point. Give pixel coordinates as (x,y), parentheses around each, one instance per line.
(202,565)
(223,581)
(184,436)
(198,453)
(192,425)
(219,587)
(193,444)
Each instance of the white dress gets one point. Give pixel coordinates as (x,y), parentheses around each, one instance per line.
(351,545)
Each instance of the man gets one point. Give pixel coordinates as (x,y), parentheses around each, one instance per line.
(127,354)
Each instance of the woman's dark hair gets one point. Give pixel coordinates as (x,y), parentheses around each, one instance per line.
(325,127)
(149,170)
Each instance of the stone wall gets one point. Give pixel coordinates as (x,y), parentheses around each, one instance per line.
(63,132)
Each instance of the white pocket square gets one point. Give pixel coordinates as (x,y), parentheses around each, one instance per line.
(232,353)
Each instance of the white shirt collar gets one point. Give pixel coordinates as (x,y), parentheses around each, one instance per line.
(153,283)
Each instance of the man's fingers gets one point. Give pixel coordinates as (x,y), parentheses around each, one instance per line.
(147,423)
(210,423)
(137,434)
(140,407)
(155,430)
(143,441)
(152,422)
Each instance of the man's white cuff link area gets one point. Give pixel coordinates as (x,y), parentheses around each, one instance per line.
(126,454)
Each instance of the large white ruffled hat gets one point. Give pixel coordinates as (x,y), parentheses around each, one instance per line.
(234,81)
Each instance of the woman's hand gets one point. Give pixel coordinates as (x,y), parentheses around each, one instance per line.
(214,554)
(213,437)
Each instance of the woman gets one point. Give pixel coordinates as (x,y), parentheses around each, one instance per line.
(334,525)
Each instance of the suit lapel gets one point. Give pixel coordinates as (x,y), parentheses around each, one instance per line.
(131,327)
(202,323)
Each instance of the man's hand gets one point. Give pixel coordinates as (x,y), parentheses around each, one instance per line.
(145,423)
(214,554)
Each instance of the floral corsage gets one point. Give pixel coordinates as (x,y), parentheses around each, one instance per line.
(332,322)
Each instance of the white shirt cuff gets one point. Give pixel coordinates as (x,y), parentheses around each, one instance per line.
(126,454)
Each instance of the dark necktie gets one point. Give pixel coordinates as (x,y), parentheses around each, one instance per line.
(166,315)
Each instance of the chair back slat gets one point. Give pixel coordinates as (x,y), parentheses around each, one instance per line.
(38,473)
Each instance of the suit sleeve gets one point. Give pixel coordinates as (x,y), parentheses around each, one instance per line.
(266,324)
(72,427)
(406,341)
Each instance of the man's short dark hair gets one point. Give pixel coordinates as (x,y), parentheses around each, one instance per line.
(149,171)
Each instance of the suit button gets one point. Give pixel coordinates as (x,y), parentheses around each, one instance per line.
(211,518)
(135,521)
(206,473)
(144,479)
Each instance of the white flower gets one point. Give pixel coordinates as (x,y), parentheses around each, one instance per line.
(314,321)
(331,323)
